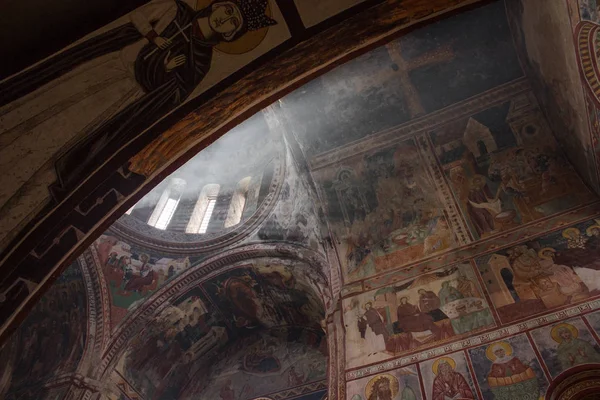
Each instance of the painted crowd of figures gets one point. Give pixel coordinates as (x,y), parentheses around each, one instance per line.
(445,306)
(553,271)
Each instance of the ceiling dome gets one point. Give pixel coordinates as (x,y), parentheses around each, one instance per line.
(221,193)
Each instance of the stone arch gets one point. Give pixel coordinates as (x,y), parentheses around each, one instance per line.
(578,383)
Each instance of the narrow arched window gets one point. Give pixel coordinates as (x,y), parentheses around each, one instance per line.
(238,202)
(167,204)
(203,210)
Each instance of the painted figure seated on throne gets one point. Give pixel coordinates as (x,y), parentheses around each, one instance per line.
(537,276)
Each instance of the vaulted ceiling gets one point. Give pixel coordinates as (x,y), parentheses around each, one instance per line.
(386,176)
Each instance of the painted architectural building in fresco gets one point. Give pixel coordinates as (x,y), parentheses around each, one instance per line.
(422,222)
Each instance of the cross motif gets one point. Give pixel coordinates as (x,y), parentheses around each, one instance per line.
(411,95)
(180,31)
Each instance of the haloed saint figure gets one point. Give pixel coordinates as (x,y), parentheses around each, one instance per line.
(123,80)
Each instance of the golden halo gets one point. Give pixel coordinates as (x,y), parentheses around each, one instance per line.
(555,335)
(545,249)
(247,42)
(394,385)
(436,364)
(567,231)
(489,352)
(588,231)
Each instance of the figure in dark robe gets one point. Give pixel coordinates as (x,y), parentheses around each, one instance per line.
(374,320)
(429,303)
(410,319)
(176,57)
(137,282)
(586,255)
(449,384)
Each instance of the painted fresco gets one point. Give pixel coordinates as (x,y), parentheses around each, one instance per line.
(50,341)
(448,377)
(133,274)
(165,360)
(385,211)
(505,167)
(426,70)
(553,271)
(266,295)
(95,96)
(435,308)
(509,370)
(565,345)
(401,384)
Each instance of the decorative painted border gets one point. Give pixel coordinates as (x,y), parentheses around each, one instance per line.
(98,307)
(455,216)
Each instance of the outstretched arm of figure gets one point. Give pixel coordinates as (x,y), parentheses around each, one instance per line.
(153,18)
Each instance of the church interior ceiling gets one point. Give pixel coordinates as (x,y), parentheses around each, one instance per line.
(420,222)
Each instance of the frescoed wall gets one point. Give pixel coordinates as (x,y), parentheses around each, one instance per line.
(505,168)
(386,211)
(414,227)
